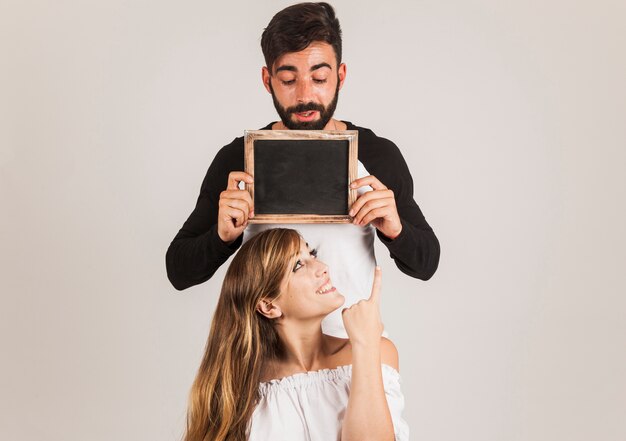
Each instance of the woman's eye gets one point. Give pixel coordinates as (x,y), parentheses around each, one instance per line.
(313,253)
(297,266)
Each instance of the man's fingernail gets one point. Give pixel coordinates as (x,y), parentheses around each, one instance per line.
(252,214)
(351,213)
(352,185)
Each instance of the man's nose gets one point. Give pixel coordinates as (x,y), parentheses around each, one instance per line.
(303,92)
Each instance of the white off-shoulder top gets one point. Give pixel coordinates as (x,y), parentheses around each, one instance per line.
(310,406)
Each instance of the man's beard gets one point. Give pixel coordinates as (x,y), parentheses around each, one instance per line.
(326,112)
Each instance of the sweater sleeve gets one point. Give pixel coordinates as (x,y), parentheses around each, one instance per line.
(197,250)
(416,250)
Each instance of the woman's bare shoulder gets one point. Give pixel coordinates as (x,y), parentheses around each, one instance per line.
(389,353)
(339,350)
(343,352)
(269,371)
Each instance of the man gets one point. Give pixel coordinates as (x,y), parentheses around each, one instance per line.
(303,74)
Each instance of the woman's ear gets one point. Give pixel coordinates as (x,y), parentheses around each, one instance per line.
(268,309)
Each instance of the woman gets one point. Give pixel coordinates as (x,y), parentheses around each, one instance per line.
(269,373)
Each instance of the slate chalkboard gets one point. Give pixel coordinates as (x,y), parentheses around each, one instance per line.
(301,176)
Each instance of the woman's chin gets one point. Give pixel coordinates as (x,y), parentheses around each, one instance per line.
(339,301)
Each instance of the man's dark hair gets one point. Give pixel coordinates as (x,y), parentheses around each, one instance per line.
(296,27)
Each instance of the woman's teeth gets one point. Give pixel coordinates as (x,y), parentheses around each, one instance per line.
(324,289)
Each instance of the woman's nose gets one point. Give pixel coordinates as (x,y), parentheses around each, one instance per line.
(322,268)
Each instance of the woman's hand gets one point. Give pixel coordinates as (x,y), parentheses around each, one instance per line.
(367,414)
(362,320)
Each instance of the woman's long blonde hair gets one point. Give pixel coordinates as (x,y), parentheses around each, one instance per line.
(225,391)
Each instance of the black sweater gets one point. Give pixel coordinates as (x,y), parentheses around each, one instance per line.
(197,251)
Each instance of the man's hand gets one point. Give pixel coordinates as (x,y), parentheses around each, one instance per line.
(377,206)
(235,207)
(362,320)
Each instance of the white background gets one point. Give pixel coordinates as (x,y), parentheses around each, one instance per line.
(511,115)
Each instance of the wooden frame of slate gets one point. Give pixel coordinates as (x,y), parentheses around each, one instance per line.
(301,176)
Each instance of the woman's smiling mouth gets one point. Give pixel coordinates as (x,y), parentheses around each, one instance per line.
(326,288)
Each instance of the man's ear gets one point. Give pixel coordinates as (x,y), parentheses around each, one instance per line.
(341,72)
(265,75)
(268,309)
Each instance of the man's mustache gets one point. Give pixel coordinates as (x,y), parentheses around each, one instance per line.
(305,107)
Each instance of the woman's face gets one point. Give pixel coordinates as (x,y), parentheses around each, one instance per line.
(308,291)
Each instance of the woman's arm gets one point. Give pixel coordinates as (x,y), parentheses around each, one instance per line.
(367,415)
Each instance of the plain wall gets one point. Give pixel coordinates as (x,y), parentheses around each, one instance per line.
(510,114)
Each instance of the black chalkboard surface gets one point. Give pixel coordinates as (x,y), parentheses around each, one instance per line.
(301,176)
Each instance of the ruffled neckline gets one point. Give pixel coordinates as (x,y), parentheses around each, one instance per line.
(340,374)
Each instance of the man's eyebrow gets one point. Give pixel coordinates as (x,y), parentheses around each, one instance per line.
(319,66)
(290,68)
(287,67)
